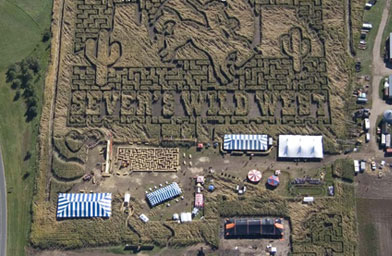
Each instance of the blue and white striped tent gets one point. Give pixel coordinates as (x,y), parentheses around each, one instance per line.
(163,194)
(77,205)
(257,142)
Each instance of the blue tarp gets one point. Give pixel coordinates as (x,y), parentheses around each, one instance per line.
(77,205)
(163,194)
(245,142)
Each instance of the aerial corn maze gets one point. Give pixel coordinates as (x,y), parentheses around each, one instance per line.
(149,71)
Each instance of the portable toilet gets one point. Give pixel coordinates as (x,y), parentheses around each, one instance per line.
(127,197)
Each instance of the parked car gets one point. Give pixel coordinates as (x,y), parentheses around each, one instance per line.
(373,164)
(358,66)
(144,218)
(331,191)
(367,137)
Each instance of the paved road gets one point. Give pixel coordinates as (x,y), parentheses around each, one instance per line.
(3,210)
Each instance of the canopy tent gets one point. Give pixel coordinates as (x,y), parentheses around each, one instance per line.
(185,217)
(256,142)
(199,200)
(211,188)
(254,176)
(200,179)
(77,205)
(161,195)
(273,181)
(300,146)
(250,228)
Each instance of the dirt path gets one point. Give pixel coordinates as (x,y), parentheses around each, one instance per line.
(349,28)
(378,71)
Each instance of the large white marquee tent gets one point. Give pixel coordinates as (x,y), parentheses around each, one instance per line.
(300,146)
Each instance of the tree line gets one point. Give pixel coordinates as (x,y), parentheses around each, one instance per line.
(23,76)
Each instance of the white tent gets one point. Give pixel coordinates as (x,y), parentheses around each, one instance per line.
(300,146)
(186,217)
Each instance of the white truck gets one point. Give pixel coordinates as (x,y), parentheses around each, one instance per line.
(367,137)
(356,166)
(366,124)
(363,166)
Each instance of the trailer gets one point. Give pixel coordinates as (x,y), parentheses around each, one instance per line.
(382,139)
(388,140)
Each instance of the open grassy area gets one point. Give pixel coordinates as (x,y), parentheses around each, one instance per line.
(22,24)
(387,30)
(372,16)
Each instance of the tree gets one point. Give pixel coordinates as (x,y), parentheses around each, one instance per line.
(27,77)
(31,113)
(11,75)
(16,84)
(31,101)
(33,64)
(29,90)
(46,36)
(12,72)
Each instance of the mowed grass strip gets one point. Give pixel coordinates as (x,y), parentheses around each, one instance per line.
(21,29)
(372,16)
(385,34)
(19,34)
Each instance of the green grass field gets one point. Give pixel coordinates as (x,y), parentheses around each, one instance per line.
(372,16)
(387,30)
(22,24)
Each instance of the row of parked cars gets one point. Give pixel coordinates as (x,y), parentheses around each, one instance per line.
(360,165)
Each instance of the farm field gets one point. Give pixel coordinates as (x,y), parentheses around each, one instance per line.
(135,86)
(22,24)
(373,200)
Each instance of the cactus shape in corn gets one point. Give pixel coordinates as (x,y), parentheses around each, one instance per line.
(295,46)
(102,54)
